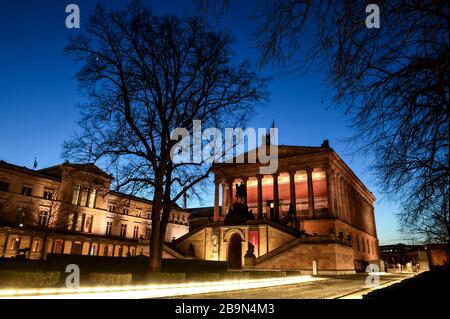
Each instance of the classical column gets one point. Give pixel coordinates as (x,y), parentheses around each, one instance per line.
(230,193)
(293,202)
(259,196)
(244,181)
(224,199)
(276,199)
(330,192)
(310,191)
(216,200)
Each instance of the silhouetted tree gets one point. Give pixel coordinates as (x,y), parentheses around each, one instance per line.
(147,75)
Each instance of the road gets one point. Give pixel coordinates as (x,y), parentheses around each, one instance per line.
(351,286)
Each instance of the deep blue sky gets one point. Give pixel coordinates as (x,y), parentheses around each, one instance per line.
(38,93)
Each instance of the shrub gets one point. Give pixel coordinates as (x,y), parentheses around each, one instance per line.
(205,276)
(97,278)
(30,279)
(165,277)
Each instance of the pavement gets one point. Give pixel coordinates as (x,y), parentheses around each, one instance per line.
(330,287)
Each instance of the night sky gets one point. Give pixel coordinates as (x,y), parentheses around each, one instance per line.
(38,92)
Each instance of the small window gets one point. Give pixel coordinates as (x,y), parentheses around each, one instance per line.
(75,195)
(48,193)
(4,186)
(147,232)
(43,218)
(88,223)
(84,196)
(26,191)
(112,208)
(136,232)
(58,249)
(21,214)
(108,228)
(126,211)
(123,230)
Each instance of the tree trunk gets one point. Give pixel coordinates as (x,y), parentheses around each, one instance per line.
(155,236)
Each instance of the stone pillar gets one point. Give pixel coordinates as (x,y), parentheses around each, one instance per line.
(330,192)
(224,199)
(216,200)
(259,196)
(230,193)
(293,202)
(310,191)
(276,199)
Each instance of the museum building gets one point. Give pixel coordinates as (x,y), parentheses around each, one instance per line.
(313,215)
(70,209)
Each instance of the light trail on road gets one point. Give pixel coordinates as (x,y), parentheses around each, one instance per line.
(153,290)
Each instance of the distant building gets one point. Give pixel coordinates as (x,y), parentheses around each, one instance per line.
(70,209)
(314,215)
(401,257)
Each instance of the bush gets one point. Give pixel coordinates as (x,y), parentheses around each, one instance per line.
(205,276)
(29,279)
(165,277)
(97,278)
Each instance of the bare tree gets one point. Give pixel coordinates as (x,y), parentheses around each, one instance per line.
(145,76)
(392,81)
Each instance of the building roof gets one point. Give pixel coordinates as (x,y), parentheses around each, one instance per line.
(284,151)
(86,167)
(25,170)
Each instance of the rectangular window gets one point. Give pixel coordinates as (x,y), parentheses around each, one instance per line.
(92,198)
(27,190)
(112,208)
(70,220)
(136,232)
(43,218)
(126,211)
(21,213)
(4,186)
(79,222)
(48,193)
(138,212)
(58,247)
(147,232)
(108,228)
(123,230)
(75,195)
(84,196)
(88,224)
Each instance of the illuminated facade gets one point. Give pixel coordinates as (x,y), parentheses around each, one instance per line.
(313,215)
(69,209)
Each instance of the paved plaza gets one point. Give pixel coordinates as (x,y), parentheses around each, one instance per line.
(348,286)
